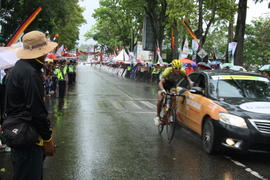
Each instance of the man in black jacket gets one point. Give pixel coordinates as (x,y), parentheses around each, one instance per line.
(25,93)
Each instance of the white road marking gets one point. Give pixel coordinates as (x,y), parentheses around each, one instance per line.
(134,104)
(254,173)
(117,105)
(148,104)
(143,99)
(140,112)
(120,112)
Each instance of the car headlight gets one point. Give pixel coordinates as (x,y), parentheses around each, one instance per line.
(232,120)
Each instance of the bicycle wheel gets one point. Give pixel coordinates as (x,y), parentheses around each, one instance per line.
(170,126)
(162,115)
(160,128)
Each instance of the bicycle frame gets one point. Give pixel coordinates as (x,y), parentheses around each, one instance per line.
(168,117)
(167,109)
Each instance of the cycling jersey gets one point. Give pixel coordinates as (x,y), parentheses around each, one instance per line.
(171,77)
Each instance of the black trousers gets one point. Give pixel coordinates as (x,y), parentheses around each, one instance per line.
(74,77)
(70,78)
(27,163)
(62,88)
(54,80)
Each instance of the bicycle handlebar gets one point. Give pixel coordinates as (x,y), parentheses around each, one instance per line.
(173,94)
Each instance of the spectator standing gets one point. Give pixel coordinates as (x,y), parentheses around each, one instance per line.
(2,102)
(189,69)
(155,73)
(25,102)
(59,71)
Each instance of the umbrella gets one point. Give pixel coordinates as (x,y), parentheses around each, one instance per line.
(265,68)
(238,68)
(203,66)
(186,61)
(193,65)
(139,61)
(52,56)
(8,57)
(225,65)
(214,63)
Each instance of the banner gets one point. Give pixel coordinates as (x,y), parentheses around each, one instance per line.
(160,60)
(23,26)
(232,47)
(185,50)
(59,51)
(195,45)
(231,50)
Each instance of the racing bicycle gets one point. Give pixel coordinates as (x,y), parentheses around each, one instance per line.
(168,116)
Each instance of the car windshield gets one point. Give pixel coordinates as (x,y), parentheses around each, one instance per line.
(240,86)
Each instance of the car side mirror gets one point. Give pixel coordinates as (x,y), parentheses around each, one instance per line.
(196,90)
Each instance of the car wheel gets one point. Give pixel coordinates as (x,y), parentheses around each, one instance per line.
(208,137)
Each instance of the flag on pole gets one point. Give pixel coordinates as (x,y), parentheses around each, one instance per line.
(172,39)
(190,30)
(160,60)
(59,51)
(23,26)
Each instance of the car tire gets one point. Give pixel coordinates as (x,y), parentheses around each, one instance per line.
(208,137)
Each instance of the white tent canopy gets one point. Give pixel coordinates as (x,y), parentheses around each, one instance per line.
(122,56)
(8,57)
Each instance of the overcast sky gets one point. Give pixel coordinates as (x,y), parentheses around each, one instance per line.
(254,10)
(89,6)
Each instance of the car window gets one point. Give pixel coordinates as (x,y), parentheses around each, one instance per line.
(224,88)
(200,81)
(240,88)
(193,76)
(184,83)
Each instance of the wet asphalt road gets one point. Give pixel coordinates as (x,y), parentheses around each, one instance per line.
(104,130)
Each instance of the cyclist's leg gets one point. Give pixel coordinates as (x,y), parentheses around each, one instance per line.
(160,98)
(159,103)
(173,91)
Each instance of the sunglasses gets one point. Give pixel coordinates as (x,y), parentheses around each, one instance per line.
(177,68)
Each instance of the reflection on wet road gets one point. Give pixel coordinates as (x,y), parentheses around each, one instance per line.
(104,130)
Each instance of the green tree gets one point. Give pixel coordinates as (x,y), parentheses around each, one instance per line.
(65,20)
(176,11)
(240,30)
(156,11)
(257,42)
(212,12)
(118,23)
(203,16)
(216,43)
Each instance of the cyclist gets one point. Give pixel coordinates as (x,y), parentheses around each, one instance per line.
(168,81)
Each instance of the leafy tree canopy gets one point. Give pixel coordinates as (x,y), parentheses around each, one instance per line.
(257,42)
(119,23)
(64,21)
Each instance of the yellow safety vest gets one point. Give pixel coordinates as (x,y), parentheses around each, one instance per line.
(70,68)
(59,74)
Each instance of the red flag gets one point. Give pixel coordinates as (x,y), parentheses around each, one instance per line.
(172,39)
(23,26)
(190,30)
